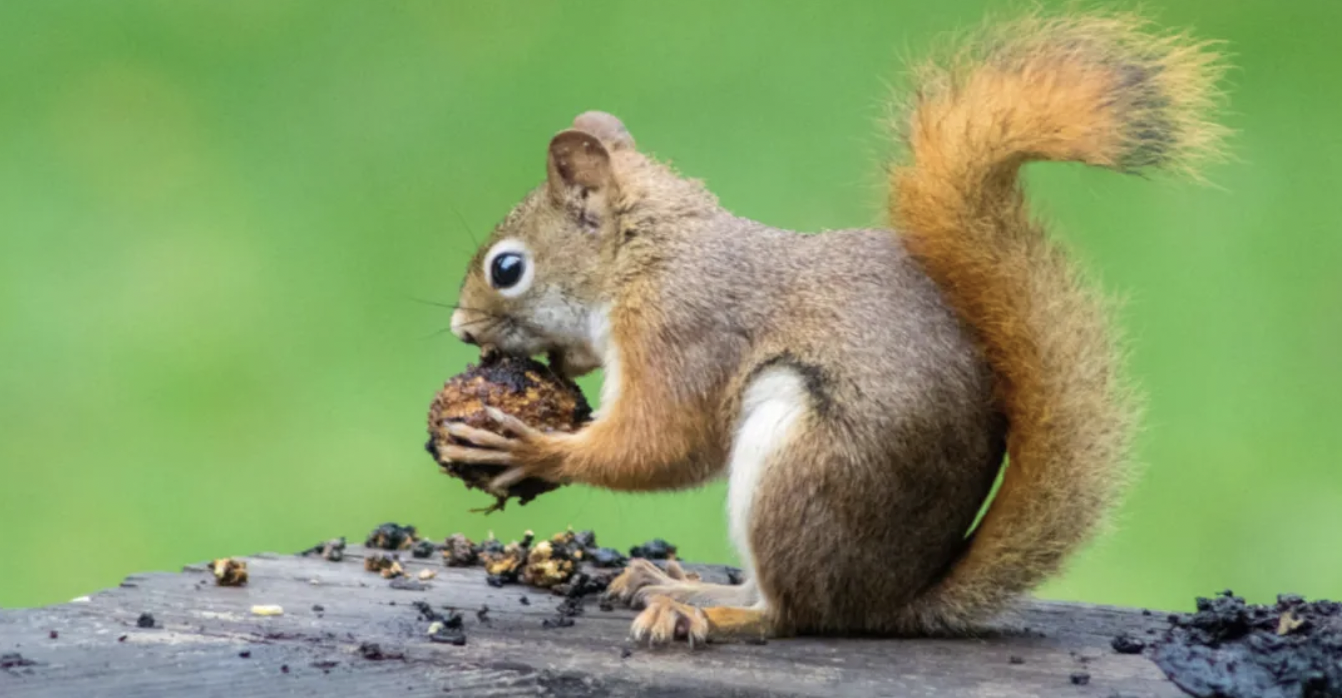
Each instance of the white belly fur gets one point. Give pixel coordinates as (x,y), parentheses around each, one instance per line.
(771,406)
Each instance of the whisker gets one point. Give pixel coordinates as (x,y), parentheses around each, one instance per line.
(477,321)
(497,321)
(466,226)
(439,333)
(449,306)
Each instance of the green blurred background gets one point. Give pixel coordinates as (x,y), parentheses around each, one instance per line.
(215,218)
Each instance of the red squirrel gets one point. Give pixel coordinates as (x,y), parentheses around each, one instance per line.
(859,389)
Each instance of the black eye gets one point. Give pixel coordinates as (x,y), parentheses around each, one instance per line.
(506,270)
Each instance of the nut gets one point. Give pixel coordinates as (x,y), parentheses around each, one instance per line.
(519,386)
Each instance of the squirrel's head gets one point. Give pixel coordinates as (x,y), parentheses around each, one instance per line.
(535,285)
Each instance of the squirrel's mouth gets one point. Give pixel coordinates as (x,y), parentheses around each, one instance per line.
(568,362)
(568,353)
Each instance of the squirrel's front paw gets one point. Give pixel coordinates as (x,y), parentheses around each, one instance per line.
(665,620)
(524,449)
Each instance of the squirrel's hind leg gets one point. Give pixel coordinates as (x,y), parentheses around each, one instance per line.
(773,409)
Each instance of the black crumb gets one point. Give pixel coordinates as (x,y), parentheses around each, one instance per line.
(245,654)
(14,660)
(1232,649)
(373,652)
(318,608)
(122,638)
(284,668)
(423,549)
(626,653)
(53,634)
(482,615)
(145,621)
(735,576)
(1080,678)
(607,557)
(570,607)
(448,636)
(447,629)
(391,536)
(1016,659)
(407,584)
(1124,643)
(655,549)
(524,601)
(1146,611)
(557,622)
(495,581)
(584,584)
(426,613)
(326,665)
(332,550)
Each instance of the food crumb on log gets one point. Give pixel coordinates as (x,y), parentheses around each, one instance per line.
(1232,649)
(1123,643)
(229,572)
(655,549)
(388,565)
(392,536)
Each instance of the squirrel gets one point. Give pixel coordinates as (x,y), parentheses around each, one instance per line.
(860,390)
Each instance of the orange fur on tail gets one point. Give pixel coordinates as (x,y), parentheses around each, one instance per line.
(1092,89)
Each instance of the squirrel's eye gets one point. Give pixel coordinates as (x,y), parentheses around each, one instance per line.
(506,270)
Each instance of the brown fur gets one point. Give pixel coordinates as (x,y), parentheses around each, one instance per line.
(915,351)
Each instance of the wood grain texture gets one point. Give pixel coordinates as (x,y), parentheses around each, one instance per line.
(195,648)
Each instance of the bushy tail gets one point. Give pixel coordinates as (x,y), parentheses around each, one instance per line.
(1093,89)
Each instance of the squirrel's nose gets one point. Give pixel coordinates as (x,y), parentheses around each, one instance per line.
(458,328)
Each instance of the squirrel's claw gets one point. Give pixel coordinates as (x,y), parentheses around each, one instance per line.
(521,449)
(509,478)
(478,437)
(665,620)
(467,454)
(512,424)
(639,574)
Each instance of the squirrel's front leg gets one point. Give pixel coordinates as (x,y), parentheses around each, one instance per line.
(637,443)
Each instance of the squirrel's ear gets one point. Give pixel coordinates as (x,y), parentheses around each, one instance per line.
(606,127)
(579,164)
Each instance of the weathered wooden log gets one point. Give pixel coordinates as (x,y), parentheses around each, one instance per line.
(346,631)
